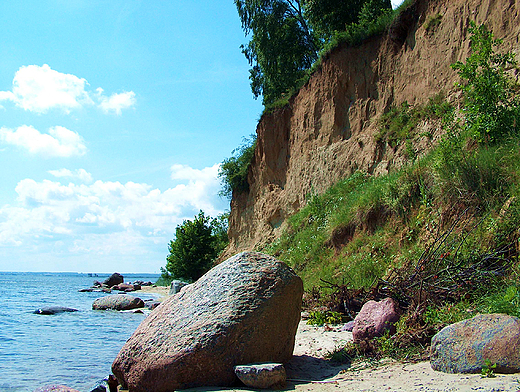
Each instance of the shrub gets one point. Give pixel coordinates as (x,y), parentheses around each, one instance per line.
(233,170)
(491,110)
(196,245)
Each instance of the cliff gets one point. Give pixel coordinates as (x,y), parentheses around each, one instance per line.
(327,130)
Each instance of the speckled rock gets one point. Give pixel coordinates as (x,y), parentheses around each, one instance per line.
(375,318)
(118,302)
(55,388)
(262,375)
(464,347)
(245,310)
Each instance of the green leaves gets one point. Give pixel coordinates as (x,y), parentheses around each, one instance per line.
(287,36)
(233,170)
(196,244)
(281,46)
(490,107)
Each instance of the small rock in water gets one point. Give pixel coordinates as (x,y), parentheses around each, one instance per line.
(262,375)
(55,388)
(54,310)
(118,302)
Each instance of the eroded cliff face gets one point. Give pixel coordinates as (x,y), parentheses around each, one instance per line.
(327,130)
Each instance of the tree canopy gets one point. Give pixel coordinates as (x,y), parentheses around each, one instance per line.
(196,245)
(287,35)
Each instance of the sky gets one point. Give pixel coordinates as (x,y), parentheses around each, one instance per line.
(114,118)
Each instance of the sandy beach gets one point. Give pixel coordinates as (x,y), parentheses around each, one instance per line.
(310,371)
(161,291)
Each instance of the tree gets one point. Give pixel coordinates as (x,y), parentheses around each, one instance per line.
(287,35)
(328,16)
(196,244)
(282,46)
(233,170)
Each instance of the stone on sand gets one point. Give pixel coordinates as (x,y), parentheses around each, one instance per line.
(465,346)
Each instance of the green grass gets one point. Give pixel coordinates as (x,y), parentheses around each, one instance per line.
(440,234)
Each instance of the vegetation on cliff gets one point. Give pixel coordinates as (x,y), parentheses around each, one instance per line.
(439,235)
(233,170)
(288,37)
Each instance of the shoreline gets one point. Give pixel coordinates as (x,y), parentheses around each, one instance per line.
(161,291)
(309,371)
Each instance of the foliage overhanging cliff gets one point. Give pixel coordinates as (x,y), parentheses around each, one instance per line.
(329,129)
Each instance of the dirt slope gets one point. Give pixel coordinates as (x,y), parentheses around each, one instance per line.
(327,131)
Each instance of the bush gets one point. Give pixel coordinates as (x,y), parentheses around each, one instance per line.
(491,110)
(197,243)
(233,171)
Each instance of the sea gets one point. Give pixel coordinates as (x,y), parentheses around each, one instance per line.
(74,349)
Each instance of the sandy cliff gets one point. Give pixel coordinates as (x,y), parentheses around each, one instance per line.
(327,130)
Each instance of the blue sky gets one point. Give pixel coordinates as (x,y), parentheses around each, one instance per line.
(114,117)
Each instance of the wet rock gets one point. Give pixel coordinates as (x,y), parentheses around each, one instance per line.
(375,318)
(262,375)
(123,287)
(151,304)
(54,310)
(465,346)
(118,302)
(113,279)
(55,388)
(85,290)
(245,310)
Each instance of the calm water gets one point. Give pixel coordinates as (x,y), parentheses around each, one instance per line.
(75,349)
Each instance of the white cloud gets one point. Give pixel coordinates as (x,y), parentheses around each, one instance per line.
(59,142)
(91,217)
(80,174)
(116,102)
(40,89)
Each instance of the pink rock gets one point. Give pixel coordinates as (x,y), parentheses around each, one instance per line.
(375,318)
(245,310)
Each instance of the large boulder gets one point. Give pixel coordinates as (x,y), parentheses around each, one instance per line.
(114,279)
(118,302)
(245,310)
(375,318)
(464,347)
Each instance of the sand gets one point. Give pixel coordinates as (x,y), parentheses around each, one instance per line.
(310,371)
(161,291)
